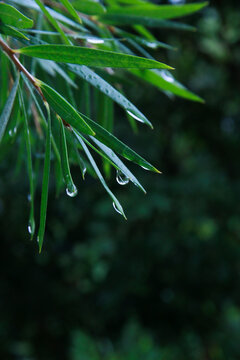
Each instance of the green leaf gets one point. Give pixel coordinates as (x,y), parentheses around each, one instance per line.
(31,222)
(64,109)
(29,4)
(71,189)
(89,7)
(4,118)
(45,183)
(152,44)
(116,203)
(164,81)
(9,30)
(95,80)
(120,165)
(11,16)
(71,10)
(81,162)
(52,20)
(112,142)
(55,148)
(155,11)
(90,57)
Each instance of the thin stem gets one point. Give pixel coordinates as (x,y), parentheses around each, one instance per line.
(10,52)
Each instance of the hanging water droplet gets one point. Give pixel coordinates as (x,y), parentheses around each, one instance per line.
(29,228)
(72,192)
(145,168)
(152,45)
(134,116)
(115,208)
(121,178)
(10,133)
(167,76)
(93,40)
(38,239)
(15,130)
(29,197)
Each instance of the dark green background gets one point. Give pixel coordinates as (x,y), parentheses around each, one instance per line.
(165,284)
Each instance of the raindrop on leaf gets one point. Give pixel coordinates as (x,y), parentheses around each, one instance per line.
(121,178)
(115,208)
(72,192)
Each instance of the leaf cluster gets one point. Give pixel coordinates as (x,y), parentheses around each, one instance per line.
(67,119)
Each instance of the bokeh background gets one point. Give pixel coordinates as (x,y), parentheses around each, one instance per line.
(166,283)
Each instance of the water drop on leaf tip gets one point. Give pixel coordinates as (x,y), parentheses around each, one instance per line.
(73,192)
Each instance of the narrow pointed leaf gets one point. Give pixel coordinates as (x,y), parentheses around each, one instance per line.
(55,148)
(89,7)
(31,223)
(120,165)
(164,81)
(81,162)
(9,30)
(4,118)
(90,57)
(11,16)
(115,144)
(71,188)
(152,11)
(94,165)
(30,4)
(71,9)
(95,80)
(53,21)
(64,109)
(45,184)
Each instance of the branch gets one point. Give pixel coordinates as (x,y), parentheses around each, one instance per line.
(20,66)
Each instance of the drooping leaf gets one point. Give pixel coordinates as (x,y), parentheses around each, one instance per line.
(116,203)
(115,144)
(120,165)
(53,21)
(64,109)
(164,81)
(31,222)
(71,189)
(45,184)
(95,80)
(11,16)
(4,118)
(90,57)
(54,146)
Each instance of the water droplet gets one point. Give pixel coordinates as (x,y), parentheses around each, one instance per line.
(15,130)
(29,197)
(73,192)
(115,208)
(29,229)
(177,2)
(93,40)
(38,239)
(145,168)
(152,45)
(134,116)
(121,178)
(10,133)
(167,76)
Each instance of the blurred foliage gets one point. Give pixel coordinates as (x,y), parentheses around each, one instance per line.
(165,284)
